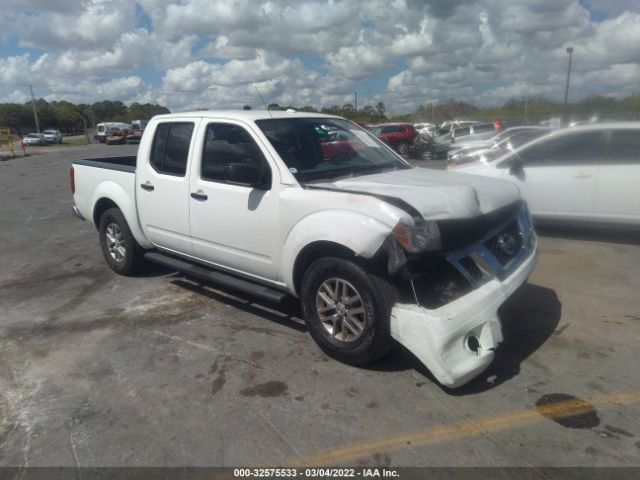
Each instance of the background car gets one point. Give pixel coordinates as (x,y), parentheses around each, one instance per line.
(398,136)
(53,136)
(425,128)
(510,138)
(462,131)
(34,139)
(585,174)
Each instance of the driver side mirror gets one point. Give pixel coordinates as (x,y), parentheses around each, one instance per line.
(517,171)
(245,174)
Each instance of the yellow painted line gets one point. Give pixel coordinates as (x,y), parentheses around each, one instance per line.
(469,428)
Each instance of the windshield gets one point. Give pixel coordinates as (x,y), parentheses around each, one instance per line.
(327,148)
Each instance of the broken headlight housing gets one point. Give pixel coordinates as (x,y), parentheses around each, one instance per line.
(421,236)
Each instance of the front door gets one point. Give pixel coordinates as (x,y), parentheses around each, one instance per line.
(557,176)
(233,226)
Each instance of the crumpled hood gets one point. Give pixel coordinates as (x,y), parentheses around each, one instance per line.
(435,194)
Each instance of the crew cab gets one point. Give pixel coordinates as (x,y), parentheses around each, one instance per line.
(374,249)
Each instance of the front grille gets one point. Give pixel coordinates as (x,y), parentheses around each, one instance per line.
(497,244)
(499,252)
(458,233)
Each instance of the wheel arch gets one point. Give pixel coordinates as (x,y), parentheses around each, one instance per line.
(101,206)
(110,194)
(314,251)
(352,235)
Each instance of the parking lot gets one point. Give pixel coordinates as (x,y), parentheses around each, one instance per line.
(97,369)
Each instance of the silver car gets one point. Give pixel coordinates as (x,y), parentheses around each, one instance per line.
(53,136)
(34,139)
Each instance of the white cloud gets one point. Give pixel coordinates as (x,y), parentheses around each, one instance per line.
(199,53)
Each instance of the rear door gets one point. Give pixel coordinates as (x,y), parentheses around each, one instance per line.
(558,175)
(617,197)
(162,185)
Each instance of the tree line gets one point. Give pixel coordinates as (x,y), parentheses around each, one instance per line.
(515,110)
(71,118)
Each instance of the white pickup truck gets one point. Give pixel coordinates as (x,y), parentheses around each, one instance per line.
(281,204)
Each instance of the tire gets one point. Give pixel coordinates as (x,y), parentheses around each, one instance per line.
(402,148)
(427,154)
(121,251)
(334,333)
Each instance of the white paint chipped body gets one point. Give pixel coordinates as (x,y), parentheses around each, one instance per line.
(262,234)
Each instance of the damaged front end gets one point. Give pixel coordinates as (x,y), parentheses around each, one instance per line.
(452,276)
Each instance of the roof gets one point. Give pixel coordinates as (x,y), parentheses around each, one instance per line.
(601,126)
(250,115)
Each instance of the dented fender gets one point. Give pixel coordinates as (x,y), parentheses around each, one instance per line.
(360,233)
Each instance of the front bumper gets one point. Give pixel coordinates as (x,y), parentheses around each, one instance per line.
(457,341)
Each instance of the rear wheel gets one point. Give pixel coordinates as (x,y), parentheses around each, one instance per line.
(347,310)
(120,249)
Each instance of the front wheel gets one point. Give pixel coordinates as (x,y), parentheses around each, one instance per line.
(427,154)
(347,310)
(121,251)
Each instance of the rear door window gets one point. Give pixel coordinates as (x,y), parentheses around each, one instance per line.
(170,149)
(624,147)
(483,128)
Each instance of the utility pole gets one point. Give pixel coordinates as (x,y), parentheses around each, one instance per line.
(526,109)
(355,104)
(566,88)
(35,111)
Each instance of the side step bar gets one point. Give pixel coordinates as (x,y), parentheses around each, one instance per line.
(219,278)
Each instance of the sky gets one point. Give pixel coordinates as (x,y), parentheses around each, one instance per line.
(197,54)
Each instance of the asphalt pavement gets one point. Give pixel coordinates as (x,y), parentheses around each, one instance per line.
(98,369)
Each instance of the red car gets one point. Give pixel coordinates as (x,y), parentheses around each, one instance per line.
(397,135)
(336,146)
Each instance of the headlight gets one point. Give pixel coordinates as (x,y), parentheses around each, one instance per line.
(418,238)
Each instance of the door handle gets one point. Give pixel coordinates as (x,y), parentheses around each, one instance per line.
(582,175)
(199,196)
(147,186)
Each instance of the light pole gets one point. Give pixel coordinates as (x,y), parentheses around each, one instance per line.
(566,88)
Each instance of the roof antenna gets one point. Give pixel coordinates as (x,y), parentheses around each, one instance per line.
(264,103)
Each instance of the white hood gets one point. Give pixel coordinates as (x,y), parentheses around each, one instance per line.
(435,194)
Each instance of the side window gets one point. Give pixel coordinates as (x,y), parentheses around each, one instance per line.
(461,132)
(389,130)
(483,128)
(224,144)
(170,148)
(583,148)
(624,147)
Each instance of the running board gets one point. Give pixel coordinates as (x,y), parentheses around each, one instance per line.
(219,278)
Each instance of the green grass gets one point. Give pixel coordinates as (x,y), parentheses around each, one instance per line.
(74,141)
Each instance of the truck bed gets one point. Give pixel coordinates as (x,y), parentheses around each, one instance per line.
(109,177)
(122,164)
